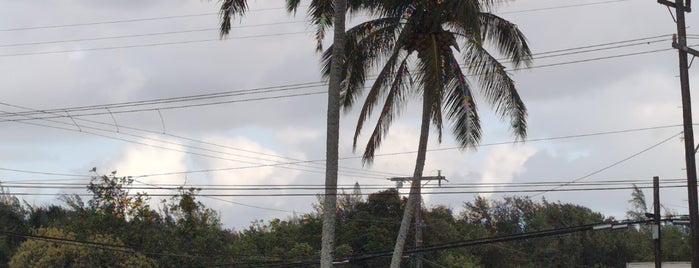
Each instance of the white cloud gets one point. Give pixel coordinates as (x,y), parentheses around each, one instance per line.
(502,163)
(253,164)
(138,160)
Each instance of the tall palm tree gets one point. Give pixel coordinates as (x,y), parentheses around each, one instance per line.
(320,12)
(418,46)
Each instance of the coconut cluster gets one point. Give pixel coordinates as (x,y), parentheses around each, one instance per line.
(422,42)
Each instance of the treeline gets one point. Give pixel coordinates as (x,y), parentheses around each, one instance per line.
(117,229)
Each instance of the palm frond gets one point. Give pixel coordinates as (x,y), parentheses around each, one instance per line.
(499,89)
(321,14)
(508,39)
(395,100)
(387,75)
(365,45)
(229,9)
(292,6)
(460,106)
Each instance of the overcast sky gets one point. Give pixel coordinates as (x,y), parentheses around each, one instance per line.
(66,54)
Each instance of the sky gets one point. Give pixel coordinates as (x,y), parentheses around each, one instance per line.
(602,94)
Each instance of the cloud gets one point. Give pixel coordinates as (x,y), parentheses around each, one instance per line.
(502,163)
(139,160)
(252,165)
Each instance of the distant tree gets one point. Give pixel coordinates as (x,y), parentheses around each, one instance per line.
(110,195)
(12,219)
(638,205)
(62,252)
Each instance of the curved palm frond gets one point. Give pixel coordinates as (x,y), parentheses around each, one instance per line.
(395,100)
(372,38)
(387,75)
(229,9)
(460,106)
(365,45)
(321,14)
(508,39)
(499,89)
(292,6)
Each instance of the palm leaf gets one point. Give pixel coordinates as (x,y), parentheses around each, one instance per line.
(376,92)
(508,39)
(499,89)
(365,45)
(460,106)
(395,100)
(230,8)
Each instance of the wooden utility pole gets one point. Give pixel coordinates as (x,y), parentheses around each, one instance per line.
(656,222)
(418,215)
(680,43)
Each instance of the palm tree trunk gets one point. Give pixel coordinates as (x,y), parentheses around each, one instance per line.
(413,197)
(333,136)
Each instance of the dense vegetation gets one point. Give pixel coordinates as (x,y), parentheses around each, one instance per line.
(117,229)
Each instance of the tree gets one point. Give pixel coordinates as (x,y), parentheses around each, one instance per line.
(430,32)
(320,11)
(12,219)
(638,205)
(61,251)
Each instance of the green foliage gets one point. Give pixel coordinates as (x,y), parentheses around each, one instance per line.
(185,233)
(638,205)
(12,219)
(109,196)
(58,253)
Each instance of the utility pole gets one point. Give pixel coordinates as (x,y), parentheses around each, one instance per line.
(656,221)
(680,43)
(418,215)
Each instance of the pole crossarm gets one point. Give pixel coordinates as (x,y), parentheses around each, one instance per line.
(424,178)
(686,8)
(685,48)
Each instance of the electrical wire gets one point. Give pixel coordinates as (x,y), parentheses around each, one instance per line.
(615,163)
(157,44)
(106,108)
(431,193)
(276,163)
(321,187)
(124,21)
(298,162)
(252,11)
(144,35)
(562,7)
(358,157)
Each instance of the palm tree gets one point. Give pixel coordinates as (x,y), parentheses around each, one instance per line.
(417,43)
(320,11)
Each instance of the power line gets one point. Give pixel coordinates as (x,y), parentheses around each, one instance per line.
(248,187)
(276,163)
(143,45)
(314,194)
(105,109)
(357,157)
(123,21)
(562,7)
(614,164)
(143,35)
(252,11)
(102,109)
